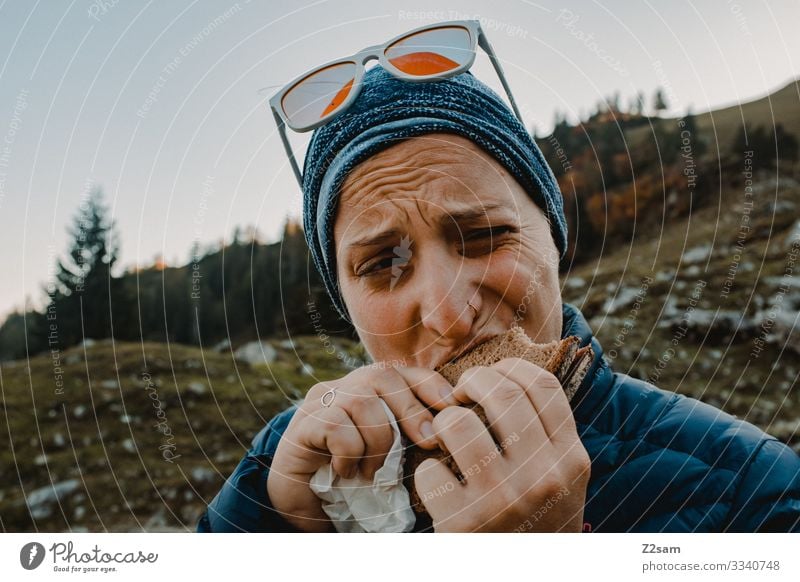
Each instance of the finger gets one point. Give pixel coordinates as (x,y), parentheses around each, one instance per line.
(545,393)
(508,409)
(437,487)
(466,438)
(412,416)
(333,431)
(369,416)
(429,386)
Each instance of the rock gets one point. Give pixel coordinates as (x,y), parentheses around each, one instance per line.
(693,271)
(73,358)
(129,445)
(127,419)
(256,353)
(223,457)
(222,346)
(197,388)
(192,364)
(203,475)
(87,342)
(79,411)
(624,297)
(306,369)
(664,276)
(287,344)
(156,521)
(779,318)
(266,382)
(230,379)
(59,440)
(575,283)
(784,429)
(41,501)
(109,384)
(696,254)
(707,325)
(79,512)
(792,236)
(771,185)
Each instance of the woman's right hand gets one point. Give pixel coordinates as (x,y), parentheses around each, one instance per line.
(353,433)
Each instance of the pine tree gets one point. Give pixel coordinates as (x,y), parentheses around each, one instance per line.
(660,101)
(84,290)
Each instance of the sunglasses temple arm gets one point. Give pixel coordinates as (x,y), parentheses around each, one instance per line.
(483,42)
(287,146)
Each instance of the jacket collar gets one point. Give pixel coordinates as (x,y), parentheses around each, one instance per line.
(597,384)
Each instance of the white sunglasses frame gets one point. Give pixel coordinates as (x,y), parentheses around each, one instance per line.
(359,59)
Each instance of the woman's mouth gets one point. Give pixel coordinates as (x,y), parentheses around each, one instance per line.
(483,338)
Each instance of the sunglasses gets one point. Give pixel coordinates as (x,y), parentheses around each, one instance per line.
(425,54)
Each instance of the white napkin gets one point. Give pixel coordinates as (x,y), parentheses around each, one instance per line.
(360,505)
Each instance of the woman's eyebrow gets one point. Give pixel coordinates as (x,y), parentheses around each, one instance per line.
(469,213)
(379,238)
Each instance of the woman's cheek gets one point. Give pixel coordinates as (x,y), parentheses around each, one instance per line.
(508,275)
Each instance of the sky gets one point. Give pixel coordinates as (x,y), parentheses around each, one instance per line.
(163,105)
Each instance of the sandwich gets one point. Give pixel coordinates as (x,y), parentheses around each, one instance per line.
(563,358)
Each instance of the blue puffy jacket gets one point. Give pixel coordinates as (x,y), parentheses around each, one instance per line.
(661,462)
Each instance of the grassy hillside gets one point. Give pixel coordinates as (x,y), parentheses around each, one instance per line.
(782,106)
(721,125)
(103,443)
(688,265)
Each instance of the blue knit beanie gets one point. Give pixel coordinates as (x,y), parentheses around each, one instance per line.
(389,110)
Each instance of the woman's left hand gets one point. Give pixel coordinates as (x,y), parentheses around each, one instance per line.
(535,481)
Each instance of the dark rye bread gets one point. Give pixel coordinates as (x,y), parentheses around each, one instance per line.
(562,358)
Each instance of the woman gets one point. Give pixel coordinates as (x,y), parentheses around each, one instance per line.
(436,225)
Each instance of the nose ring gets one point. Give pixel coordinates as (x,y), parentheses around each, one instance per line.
(475,309)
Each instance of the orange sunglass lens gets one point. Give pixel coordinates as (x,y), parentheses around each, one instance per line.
(338,99)
(319,94)
(423,63)
(431,52)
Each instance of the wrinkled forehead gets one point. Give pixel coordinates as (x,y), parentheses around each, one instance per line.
(439,170)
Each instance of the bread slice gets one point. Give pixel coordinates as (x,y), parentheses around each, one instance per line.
(563,358)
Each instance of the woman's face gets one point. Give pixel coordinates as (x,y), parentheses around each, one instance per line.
(427,226)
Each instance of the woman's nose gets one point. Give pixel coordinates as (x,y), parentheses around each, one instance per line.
(443,296)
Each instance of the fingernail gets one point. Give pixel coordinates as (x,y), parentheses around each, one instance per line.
(446,394)
(426,428)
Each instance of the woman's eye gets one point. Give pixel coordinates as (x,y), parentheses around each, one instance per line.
(488,232)
(374,266)
(487,236)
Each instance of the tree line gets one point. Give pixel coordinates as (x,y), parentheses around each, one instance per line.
(621,170)
(238,292)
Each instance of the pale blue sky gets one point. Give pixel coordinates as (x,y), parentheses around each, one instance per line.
(200,154)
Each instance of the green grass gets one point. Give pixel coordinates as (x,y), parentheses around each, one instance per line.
(125,483)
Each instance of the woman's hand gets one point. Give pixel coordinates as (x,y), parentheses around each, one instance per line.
(535,481)
(353,433)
